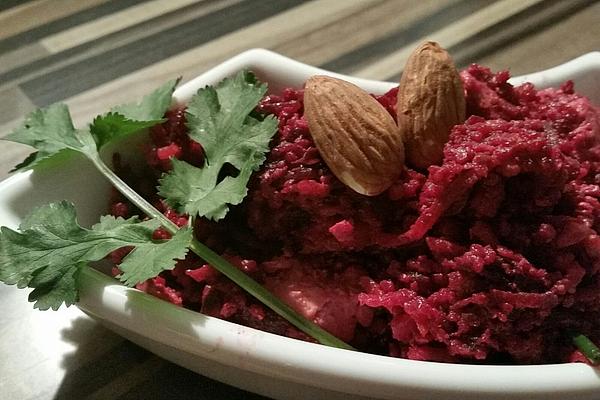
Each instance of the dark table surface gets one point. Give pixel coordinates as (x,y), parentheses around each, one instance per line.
(95,53)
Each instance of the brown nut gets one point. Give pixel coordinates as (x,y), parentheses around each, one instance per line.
(357,138)
(430,102)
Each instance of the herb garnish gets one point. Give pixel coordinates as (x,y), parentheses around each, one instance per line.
(587,348)
(50,249)
(218,118)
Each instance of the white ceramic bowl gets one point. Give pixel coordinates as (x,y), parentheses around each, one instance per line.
(273,365)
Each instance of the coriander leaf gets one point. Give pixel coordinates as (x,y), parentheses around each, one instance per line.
(109,222)
(126,119)
(205,198)
(108,127)
(50,130)
(152,107)
(50,248)
(54,287)
(148,260)
(218,118)
(30,159)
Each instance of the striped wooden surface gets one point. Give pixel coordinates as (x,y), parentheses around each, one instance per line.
(95,53)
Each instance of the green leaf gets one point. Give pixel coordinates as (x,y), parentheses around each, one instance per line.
(152,107)
(111,126)
(129,118)
(50,249)
(55,160)
(218,118)
(205,199)
(53,287)
(148,260)
(50,130)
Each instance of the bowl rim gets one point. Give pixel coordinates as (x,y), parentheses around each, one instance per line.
(308,363)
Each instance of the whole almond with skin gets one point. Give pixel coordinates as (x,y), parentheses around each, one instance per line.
(431,101)
(355,135)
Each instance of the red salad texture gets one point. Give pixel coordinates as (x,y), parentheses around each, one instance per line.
(491,257)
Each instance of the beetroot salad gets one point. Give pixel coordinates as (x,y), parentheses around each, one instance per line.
(490,257)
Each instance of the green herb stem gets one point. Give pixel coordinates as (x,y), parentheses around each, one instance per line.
(241,279)
(587,347)
(267,298)
(132,195)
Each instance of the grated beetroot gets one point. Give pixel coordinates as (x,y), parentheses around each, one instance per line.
(490,257)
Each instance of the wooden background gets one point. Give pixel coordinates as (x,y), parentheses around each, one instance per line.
(95,53)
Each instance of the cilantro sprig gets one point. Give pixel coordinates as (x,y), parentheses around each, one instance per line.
(50,249)
(587,347)
(218,118)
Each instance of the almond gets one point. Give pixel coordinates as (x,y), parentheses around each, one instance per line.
(430,102)
(357,138)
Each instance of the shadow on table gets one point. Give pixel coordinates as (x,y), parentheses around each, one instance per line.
(106,366)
